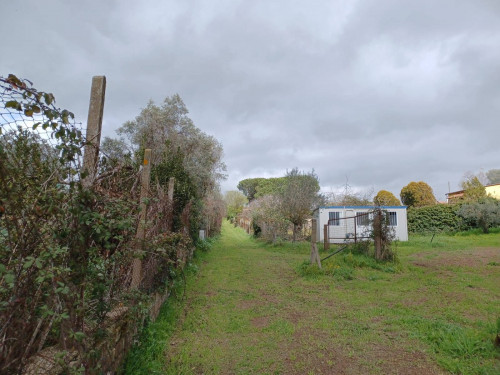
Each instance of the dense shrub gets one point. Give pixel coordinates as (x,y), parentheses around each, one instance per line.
(436,218)
(67,247)
(483,213)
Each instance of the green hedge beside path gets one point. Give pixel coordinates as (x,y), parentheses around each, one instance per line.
(435,218)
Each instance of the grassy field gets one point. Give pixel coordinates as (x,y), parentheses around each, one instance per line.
(251,308)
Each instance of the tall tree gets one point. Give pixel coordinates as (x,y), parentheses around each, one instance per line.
(235,201)
(493,176)
(473,189)
(168,129)
(299,197)
(386,198)
(271,186)
(249,187)
(260,187)
(417,194)
(267,216)
(180,150)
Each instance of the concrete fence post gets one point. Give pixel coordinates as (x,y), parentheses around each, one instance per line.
(94,127)
(141,229)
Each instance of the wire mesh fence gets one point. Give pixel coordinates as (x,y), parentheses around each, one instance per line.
(66,249)
(25,110)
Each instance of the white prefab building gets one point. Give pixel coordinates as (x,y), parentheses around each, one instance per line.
(347,223)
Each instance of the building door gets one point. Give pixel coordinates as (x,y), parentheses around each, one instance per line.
(349,224)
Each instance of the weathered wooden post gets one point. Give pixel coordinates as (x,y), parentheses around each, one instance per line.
(326,240)
(170,195)
(141,229)
(94,126)
(90,160)
(377,231)
(314,247)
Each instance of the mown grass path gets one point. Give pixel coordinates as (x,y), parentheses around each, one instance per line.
(249,311)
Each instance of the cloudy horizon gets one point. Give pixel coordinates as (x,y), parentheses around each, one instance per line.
(370,93)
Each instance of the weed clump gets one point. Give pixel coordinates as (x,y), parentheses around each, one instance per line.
(343,266)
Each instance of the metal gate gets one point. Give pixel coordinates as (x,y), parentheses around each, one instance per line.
(352,228)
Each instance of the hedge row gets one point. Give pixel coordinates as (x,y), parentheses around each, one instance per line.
(436,218)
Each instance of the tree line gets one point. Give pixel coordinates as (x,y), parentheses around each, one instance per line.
(275,204)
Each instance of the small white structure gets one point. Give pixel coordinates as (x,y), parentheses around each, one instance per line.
(345,223)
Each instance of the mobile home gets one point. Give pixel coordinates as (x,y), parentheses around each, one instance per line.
(350,223)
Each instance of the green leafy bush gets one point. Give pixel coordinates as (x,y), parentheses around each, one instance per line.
(483,213)
(436,218)
(66,248)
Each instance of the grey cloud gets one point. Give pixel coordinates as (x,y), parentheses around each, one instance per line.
(384,92)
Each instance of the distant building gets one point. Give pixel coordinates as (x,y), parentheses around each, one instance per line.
(352,223)
(492,190)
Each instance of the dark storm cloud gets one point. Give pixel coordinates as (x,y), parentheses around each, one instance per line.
(378,92)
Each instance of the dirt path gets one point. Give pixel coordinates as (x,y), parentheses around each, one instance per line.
(249,312)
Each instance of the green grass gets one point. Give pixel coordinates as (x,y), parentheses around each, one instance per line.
(255,308)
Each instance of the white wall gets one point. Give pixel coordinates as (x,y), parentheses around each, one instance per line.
(322,215)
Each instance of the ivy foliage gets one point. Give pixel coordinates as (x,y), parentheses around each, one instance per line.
(63,252)
(66,250)
(436,218)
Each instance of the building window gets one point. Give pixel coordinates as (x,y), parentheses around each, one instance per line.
(362,219)
(393,219)
(333,218)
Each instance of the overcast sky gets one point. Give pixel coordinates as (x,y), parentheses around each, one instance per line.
(374,92)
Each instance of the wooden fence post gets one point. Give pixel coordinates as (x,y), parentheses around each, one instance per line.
(326,240)
(377,229)
(94,127)
(314,247)
(170,194)
(141,229)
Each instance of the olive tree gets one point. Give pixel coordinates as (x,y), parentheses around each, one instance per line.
(299,197)
(473,189)
(484,213)
(267,216)
(167,129)
(493,176)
